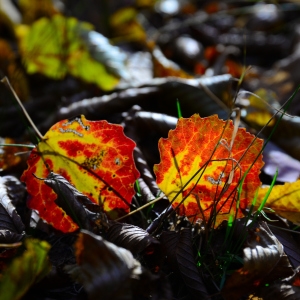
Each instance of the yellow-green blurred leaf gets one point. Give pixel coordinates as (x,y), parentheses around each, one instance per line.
(54,48)
(284,199)
(126,26)
(25,270)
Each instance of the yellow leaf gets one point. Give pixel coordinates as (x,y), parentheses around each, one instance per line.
(284,199)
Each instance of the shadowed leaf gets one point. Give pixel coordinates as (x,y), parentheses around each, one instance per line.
(264,262)
(187,265)
(11,225)
(72,202)
(103,268)
(25,270)
(130,237)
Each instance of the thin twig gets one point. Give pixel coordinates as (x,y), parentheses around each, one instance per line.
(6,81)
(141,207)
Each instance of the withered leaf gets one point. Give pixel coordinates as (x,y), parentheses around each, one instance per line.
(11,225)
(130,237)
(264,262)
(103,268)
(177,246)
(187,265)
(72,201)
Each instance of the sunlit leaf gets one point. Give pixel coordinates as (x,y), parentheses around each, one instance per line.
(95,156)
(197,165)
(284,200)
(25,270)
(54,48)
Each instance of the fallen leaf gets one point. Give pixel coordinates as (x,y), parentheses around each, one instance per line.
(73,202)
(178,249)
(163,67)
(25,270)
(197,163)
(95,156)
(131,237)
(11,68)
(264,262)
(126,27)
(103,268)
(33,10)
(8,157)
(284,200)
(187,265)
(12,228)
(277,160)
(53,47)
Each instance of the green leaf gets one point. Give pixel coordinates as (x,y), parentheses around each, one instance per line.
(54,47)
(25,270)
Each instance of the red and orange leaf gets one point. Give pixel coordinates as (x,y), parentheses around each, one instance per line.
(95,156)
(204,144)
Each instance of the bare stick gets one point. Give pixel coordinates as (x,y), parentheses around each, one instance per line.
(6,81)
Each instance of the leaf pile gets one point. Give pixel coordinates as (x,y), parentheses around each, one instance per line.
(149,176)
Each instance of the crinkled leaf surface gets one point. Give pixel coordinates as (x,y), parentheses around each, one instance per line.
(204,144)
(95,156)
(25,270)
(53,47)
(12,228)
(284,199)
(130,237)
(72,201)
(103,268)
(264,262)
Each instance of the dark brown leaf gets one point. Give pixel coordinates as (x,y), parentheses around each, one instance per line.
(72,201)
(11,225)
(264,262)
(103,268)
(187,265)
(131,237)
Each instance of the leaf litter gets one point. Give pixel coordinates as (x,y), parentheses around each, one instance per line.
(219,249)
